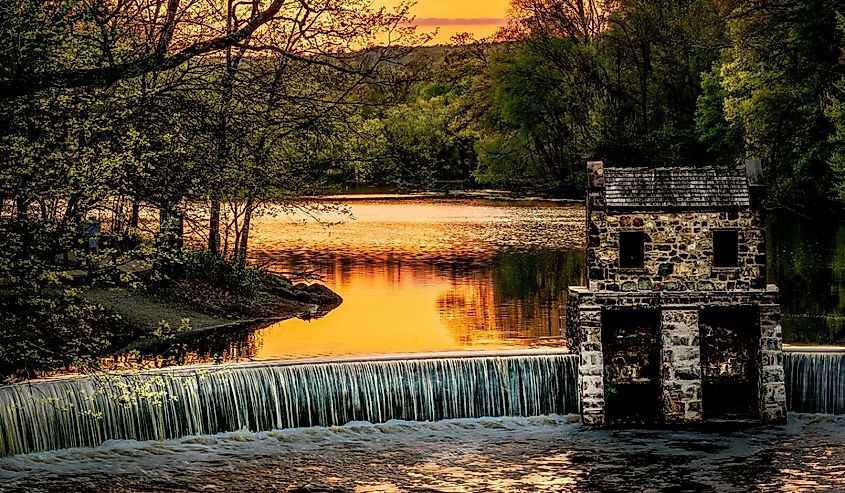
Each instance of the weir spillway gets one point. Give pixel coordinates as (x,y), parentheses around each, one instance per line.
(815,380)
(162,404)
(156,405)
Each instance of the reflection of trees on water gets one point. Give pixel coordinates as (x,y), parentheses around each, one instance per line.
(511,296)
(226,344)
(341,267)
(518,298)
(807,261)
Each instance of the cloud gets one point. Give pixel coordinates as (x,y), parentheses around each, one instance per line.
(443,21)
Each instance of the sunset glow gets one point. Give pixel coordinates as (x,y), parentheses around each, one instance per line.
(481,18)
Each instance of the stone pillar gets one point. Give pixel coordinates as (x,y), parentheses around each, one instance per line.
(591,367)
(772,394)
(680,358)
(595,174)
(596,219)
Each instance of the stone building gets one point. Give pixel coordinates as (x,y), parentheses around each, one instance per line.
(677,323)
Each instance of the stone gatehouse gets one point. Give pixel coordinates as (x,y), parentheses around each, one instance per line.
(677,323)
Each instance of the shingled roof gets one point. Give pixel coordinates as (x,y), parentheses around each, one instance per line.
(674,188)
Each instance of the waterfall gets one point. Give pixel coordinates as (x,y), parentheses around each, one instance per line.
(86,411)
(815,381)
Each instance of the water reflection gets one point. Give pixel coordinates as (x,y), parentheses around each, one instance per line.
(399,306)
(441,275)
(239,343)
(807,261)
(415,276)
(431,275)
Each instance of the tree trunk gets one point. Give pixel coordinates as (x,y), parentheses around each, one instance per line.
(135,218)
(244,245)
(214,227)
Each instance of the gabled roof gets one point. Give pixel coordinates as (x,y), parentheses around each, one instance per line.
(676,188)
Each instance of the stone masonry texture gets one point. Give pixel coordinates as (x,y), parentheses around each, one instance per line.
(679,280)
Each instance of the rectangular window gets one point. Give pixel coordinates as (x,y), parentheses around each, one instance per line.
(725,245)
(631,249)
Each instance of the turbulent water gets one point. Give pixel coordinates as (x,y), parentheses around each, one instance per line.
(551,453)
(159,405)
(77,412)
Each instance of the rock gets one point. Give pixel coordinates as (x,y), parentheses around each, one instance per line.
(323,297)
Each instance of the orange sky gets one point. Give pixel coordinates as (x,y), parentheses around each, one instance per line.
(479,17)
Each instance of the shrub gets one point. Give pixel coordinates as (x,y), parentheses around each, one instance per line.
(229,274)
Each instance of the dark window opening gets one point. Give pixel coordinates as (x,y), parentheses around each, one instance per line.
(725,245)
(631,249)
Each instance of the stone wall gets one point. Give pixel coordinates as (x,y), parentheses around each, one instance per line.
(680,365)
(678,251)
(578,296)
(771,374)
(681,378)
(591,366)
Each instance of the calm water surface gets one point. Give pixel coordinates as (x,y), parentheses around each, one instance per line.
(444,275)
(807,261)
(416,276)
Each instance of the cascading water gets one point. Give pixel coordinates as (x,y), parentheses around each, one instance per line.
(87,411)
(815,381)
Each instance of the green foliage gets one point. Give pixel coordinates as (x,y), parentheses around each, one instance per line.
(723,140)
(166,331)
(774,88)
(653,54)
(415,144)
(54,331)
(543,122)
(835,111)
(225,273)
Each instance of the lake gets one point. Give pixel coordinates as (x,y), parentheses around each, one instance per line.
(433,275)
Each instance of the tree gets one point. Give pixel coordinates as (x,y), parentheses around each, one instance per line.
(835,111)
(774,77)
(653,55)
(128,39)
(543,120)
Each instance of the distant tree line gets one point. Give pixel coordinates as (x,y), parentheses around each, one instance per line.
(633,82)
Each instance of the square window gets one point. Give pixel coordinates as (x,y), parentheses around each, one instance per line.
(725,248)
(631,249)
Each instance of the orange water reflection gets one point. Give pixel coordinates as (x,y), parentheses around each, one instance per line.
(401,307)
(417,276)
(427,275)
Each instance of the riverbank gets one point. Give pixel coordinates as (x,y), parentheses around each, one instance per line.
(202,291)
(146,311)
(491,195)
(109,317)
